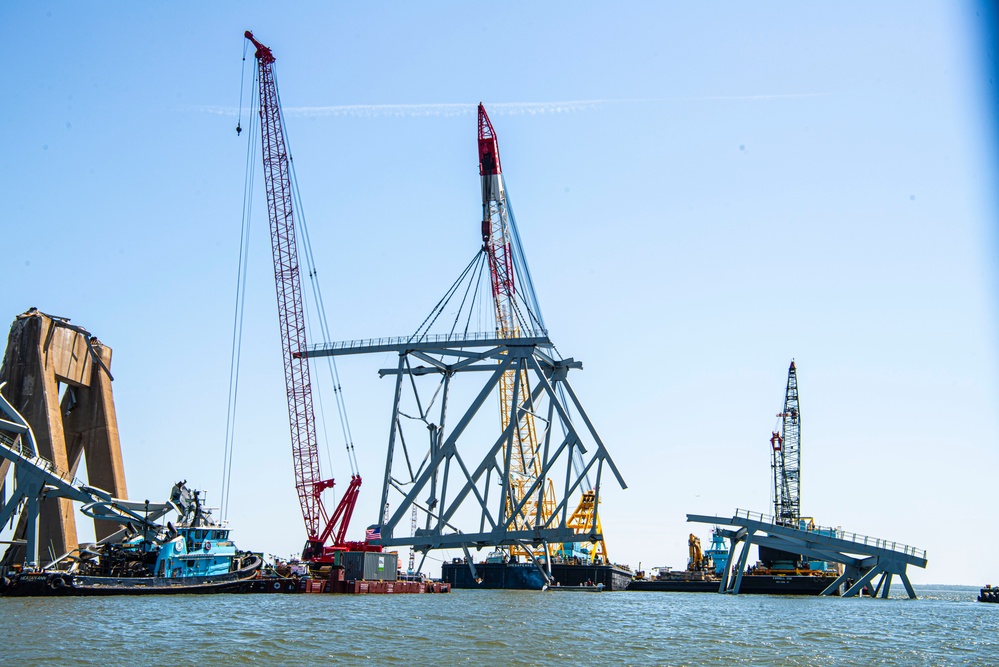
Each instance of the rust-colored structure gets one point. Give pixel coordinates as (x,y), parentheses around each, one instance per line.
(59,377)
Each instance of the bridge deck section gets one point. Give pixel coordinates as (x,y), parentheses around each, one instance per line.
(862,557)
(430,342)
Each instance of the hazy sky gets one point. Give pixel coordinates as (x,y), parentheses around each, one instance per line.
(703,193)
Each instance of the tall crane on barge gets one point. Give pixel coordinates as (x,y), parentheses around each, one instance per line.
(475,489)
(786,451)
(524,455)
(320,526)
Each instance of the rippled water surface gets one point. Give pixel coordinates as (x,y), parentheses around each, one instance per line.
(945,627)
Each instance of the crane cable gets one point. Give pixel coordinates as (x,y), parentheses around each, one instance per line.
(424,329)
(520,264)
(533,307)
(477,281)
(317,295)
(238,310)
(297,206)
(242,76)
(306,245)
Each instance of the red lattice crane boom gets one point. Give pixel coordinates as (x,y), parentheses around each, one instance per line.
(319,526)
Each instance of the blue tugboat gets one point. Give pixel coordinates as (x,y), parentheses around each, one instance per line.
(195,556)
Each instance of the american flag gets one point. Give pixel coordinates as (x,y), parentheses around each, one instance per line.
(373,533)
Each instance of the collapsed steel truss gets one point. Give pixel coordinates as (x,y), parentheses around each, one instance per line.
(37,479)
(862,558)
(460,467)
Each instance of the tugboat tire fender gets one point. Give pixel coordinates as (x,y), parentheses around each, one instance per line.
(57,582)
(277,585)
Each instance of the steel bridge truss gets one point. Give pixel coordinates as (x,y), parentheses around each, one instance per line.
(461,468)
(863,558)
(37,478)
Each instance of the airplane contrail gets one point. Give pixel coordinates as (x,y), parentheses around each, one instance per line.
(447,110)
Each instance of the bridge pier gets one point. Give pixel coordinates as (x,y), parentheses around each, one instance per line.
(58,377)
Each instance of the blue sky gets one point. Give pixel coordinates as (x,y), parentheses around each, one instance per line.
(703,194)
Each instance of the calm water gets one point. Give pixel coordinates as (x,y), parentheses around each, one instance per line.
(945,627)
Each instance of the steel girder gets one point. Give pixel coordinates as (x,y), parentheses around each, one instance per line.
(36,478)
(862,558)
(452,480)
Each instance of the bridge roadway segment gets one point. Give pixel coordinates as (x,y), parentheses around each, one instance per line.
(863,558)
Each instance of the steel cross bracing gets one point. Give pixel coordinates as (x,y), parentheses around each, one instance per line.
(462,479)
(787,456)
(863,558)
(36,478)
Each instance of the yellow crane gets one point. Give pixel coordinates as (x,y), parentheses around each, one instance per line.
(696,555)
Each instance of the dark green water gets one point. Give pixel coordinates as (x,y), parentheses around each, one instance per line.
(945,627)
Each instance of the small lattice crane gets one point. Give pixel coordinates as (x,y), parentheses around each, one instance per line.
(786,451)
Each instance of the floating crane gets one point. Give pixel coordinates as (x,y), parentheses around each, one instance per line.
(513,490)
(525,457)
(496,243)
(320,526)
(786,461)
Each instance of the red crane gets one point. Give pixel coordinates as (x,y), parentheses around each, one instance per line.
(319,525)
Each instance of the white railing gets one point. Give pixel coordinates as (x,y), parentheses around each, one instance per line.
(840,534)
(397,341)
(23,454)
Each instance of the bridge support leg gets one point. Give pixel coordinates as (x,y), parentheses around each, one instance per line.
(834,586)
(743,557)
(723,586)
(908,587)
(541,566)
(881,581)
(32,556)
(468,559)
(861,583)
(887,584)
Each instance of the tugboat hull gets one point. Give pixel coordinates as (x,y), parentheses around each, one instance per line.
(37,584)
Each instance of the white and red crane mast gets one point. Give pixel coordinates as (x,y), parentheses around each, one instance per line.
(309,484)
(498,243)
(495,230)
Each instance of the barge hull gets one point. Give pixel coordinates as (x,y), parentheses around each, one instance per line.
(525,576)
(755,584)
